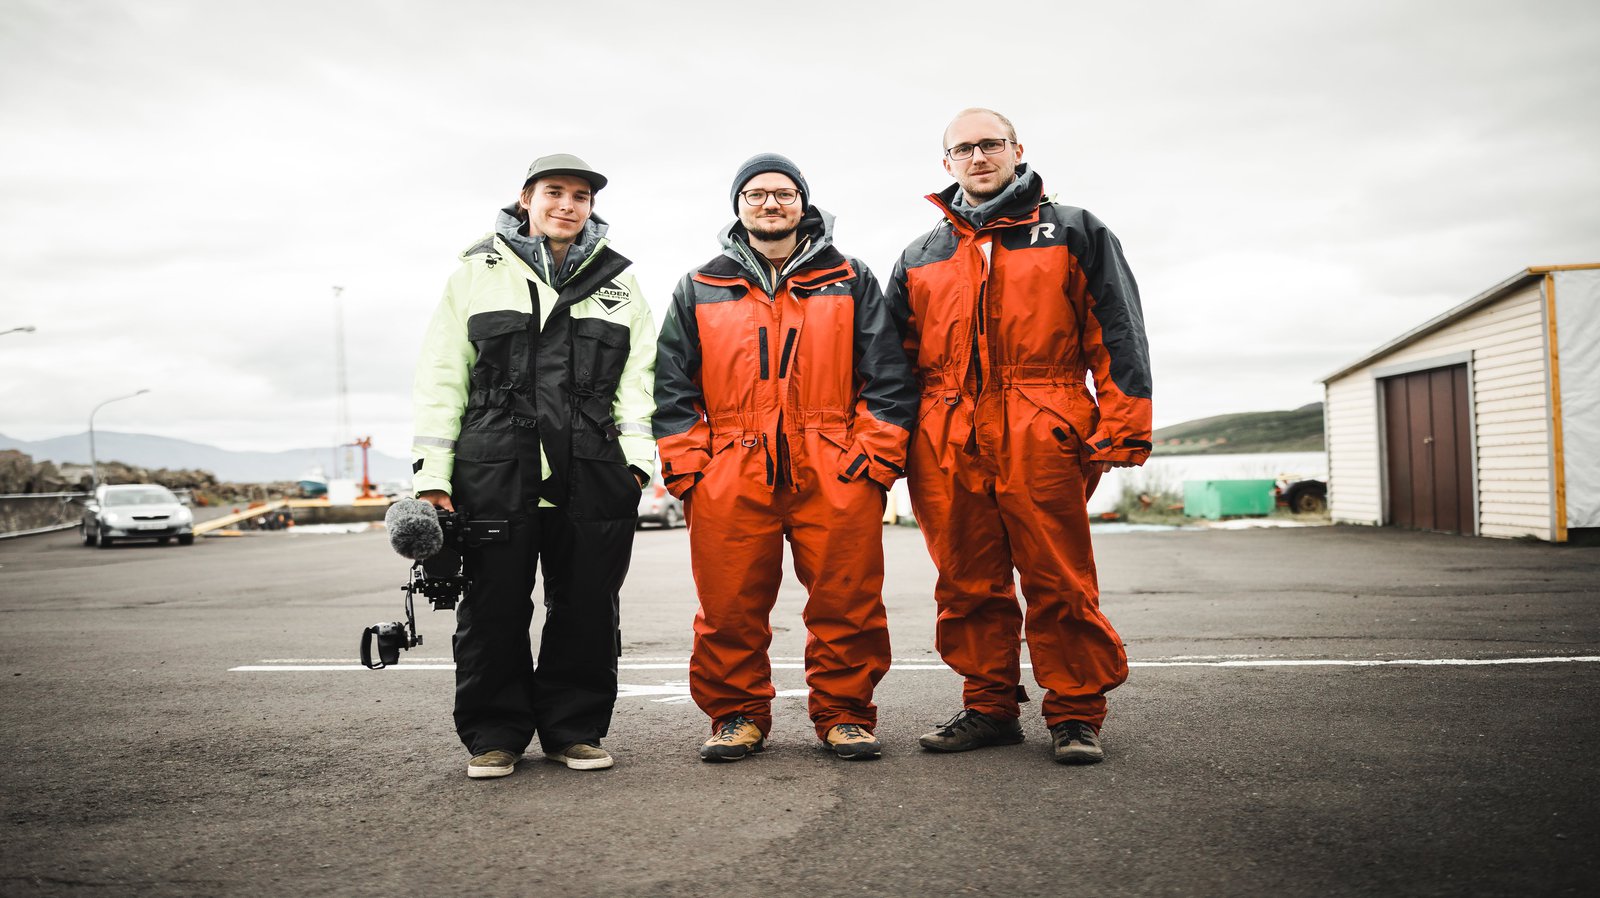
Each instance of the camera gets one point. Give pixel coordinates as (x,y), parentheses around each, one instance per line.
(390,637)
(438,578)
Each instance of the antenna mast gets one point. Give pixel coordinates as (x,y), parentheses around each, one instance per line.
(347,462)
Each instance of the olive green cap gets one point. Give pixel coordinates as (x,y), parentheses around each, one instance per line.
(564,164)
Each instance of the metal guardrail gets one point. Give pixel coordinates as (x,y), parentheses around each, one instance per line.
(27,514)
(35,532)
(30,514)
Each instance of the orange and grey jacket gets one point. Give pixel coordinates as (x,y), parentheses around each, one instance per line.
(1022,292)
(749,358)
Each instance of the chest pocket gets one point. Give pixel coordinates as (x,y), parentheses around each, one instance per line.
(599,352)
(501,341)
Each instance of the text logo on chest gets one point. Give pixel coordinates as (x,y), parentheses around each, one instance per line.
(611,297)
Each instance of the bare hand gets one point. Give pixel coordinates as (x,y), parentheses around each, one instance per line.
(437,498)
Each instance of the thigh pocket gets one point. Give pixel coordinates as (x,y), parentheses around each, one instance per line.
(602,490)
(487,480)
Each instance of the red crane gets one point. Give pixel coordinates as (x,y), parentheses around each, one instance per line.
(367,490)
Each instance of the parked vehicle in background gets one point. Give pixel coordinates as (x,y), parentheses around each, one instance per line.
(125,511)
(657,506)
(1303,496)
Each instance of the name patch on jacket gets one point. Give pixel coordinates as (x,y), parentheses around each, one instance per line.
(611,297)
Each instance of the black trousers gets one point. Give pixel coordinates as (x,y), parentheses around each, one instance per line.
(502,698)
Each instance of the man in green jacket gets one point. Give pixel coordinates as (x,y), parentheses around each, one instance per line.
(533,403)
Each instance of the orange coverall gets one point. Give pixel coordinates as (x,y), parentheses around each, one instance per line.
(783,411)
(1003,317)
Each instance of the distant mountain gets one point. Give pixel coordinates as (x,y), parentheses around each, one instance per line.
(145,451)
(1299,430)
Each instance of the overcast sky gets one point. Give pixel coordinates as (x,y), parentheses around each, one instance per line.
(182,183)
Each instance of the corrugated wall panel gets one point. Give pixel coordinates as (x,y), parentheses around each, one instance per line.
(1352,440)
(1514,530)
(1515,487)
(1510,414)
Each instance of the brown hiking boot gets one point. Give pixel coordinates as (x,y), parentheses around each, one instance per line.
(853,742)
(737,737)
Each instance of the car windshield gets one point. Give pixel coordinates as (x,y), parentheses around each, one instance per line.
(150,495)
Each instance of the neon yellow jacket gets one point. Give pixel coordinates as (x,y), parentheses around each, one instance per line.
(502,382)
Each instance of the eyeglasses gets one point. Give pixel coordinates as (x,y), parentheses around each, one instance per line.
(784,196)
(989,147)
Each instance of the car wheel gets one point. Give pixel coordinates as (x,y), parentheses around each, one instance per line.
(164,540)
(670,519)
(89,537)
(105,541)
(1307,501)
(186,539)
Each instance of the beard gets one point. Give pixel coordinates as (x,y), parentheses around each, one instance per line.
(771,229)
(981,195)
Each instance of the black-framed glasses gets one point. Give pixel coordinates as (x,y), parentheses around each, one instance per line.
(783,195)
(987,147)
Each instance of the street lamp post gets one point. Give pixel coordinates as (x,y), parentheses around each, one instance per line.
(94,464)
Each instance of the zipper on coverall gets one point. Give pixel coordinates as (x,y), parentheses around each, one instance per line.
(985,247)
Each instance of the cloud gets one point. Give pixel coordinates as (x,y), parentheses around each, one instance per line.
(1294,184)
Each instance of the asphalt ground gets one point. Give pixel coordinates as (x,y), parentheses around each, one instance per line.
(1309,713)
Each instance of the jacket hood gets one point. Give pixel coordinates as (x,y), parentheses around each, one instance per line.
(534,249)
(1019,197)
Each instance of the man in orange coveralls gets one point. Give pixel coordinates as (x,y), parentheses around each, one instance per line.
(783,406)
(1004,307)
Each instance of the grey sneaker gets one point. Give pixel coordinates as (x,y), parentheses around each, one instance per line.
(972,729)
(1076,742)
(737,737)
(582,756)
(491,764)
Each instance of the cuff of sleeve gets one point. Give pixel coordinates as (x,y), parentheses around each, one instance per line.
(882,471)
(681,472)
(424,482)
(1104,447)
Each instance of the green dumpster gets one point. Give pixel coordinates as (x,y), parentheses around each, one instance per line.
(1216,499)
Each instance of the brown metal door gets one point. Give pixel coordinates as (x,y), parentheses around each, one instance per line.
(1429,448)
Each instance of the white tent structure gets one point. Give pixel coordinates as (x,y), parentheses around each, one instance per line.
(1485,420)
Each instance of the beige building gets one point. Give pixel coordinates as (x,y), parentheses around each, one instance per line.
(1485,420)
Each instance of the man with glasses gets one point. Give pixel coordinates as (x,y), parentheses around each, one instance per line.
(784,403)
(1005,307)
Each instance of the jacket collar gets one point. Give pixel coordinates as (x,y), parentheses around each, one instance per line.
(535,249)
(814,247)
(1018,203)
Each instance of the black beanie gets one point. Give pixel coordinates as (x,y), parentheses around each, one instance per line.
(762,163)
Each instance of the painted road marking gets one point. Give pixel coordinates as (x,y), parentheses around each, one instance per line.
(339,664)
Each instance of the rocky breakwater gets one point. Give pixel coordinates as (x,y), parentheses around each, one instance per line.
(43,494)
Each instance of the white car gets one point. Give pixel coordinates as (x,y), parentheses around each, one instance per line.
(657,506)
(136,511)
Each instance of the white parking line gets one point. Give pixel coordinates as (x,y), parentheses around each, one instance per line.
(340,664)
